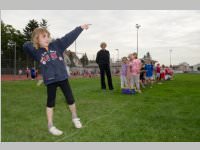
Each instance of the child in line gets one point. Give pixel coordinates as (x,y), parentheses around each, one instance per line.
(27,72)
(33,73)
(158,72)
(129,72)
(154,71)
(171,73)
(142,76)
(162,73)
(168,73)
(50,56)
(135,66)
(124,69)
(36,73)
(149,73)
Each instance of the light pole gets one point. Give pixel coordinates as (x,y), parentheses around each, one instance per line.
(170,51)
(117,54)
(12,43)
(137,27)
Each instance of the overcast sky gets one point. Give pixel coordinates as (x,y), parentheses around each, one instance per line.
(160,31)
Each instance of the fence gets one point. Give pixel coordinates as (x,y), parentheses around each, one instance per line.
(8,65)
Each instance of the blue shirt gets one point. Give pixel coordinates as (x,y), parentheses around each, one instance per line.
(149,70)
(52,62)
(33,72)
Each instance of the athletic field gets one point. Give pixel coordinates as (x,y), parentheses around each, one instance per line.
(166,112)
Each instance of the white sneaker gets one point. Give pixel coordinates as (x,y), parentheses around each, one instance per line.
(39,82)
(77,123)
(53,130)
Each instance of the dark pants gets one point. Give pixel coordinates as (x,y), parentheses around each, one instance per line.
(33,76)
(105,68)
(51,92)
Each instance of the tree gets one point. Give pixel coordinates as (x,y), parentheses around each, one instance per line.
(71,57)
(84,60)
(43,23)
(147,56)
(29,28)
(8,34)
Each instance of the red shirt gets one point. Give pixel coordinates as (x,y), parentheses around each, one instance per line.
(167,71)
(158,69)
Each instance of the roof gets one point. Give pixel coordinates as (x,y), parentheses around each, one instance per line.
(184,63)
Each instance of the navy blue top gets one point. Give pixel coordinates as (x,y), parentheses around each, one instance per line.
(32,71)
(103,57)
(52,62)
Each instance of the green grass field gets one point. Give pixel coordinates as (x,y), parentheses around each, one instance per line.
(167,112)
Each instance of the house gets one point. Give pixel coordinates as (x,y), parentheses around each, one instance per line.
(145,60)
(196,67)
(183,67)
(71,59)
(92,67)
(148,58)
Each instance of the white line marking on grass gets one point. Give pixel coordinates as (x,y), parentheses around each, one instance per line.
(86,124)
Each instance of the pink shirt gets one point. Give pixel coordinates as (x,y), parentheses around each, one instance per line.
(135,66)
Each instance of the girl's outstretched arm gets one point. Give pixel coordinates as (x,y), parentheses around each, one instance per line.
(70,37)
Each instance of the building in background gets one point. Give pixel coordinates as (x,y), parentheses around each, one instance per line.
(182,67)
(196,67)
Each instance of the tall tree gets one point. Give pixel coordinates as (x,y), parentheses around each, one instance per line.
(148,55)
(29,28)
(43,23)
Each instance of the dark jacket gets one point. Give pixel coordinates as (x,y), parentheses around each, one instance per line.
(51,62)
(103,57)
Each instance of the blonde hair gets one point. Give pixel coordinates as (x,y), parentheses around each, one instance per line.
(103,45)
(35,36)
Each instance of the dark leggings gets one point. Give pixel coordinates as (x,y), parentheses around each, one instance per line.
(65,87)
(105,69)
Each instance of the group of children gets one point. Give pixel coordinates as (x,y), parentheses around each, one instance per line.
(136,73)
(130,72)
